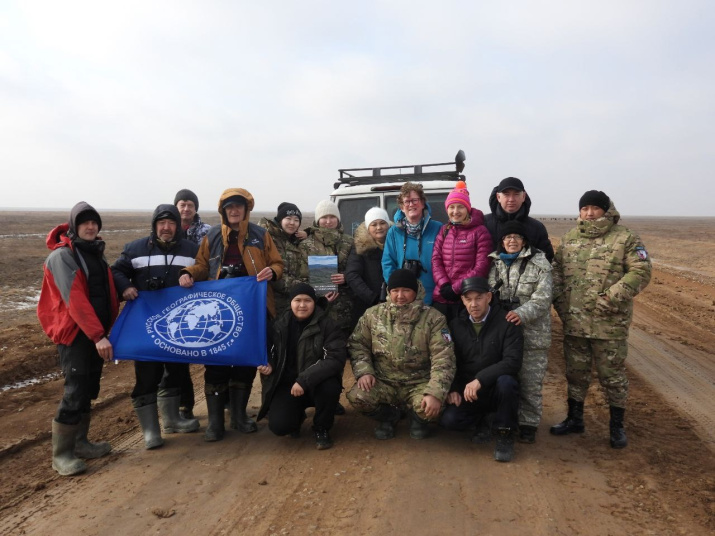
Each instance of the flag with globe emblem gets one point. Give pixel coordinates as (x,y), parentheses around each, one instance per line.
(213,323)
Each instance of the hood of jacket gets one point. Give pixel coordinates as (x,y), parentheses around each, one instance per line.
(169,211)
(599,227)
(399,217)
(78,209)
(364,242)
(501,215)
(230,192)
(57,237)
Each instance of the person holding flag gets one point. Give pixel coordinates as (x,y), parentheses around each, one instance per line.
(235,248)
(149,264)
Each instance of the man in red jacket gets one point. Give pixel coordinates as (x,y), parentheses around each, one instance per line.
(78,305)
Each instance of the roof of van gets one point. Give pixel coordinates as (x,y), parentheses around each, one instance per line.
(346,189)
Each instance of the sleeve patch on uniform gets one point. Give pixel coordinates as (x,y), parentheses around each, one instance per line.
(641,252)
(446,335)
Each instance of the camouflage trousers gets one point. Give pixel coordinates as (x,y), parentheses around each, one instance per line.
(610,359)
(402,396)
(531,381)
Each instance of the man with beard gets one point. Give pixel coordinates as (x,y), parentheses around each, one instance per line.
(77,307)
(149,264)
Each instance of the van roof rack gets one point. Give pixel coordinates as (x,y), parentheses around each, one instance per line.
(414,172)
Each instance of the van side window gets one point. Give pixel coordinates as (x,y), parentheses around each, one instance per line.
(352,211)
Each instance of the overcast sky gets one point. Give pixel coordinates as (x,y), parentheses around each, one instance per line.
(123,103)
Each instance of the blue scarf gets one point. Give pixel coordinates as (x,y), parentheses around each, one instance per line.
(509,258)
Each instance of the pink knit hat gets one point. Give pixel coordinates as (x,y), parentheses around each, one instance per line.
(460,195)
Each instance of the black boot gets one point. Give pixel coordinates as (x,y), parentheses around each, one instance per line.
(388,416)
(238,400)
(504,450)
(527,434)
(323,441)
(418,427)
(573,424)
(216,428)
(618,433)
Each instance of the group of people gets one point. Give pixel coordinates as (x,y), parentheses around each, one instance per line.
(446,323)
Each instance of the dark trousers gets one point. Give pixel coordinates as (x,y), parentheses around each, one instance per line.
(149,374)
(187,386)
(238,377)
(217,376)
(449,310)
(285,413)
(502,399)
(82,368)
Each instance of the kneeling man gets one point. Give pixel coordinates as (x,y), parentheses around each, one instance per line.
(402,357)
(489,353)
(305,369)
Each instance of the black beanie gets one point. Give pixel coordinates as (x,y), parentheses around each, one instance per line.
(595,198)
(88,215)
(187,195)
(512,227)
(402,279)
(288,209)
(302,288)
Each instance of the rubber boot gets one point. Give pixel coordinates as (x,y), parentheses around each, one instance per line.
(618,433)
(238,400)
(83,448)
(171,420)
(573,424)
(64,437)
(216,429)
(418,427)
(504,450)
(388,416)
(149,421)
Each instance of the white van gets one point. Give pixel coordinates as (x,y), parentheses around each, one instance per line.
(360,189)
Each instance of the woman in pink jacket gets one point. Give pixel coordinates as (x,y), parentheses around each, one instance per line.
(461,250)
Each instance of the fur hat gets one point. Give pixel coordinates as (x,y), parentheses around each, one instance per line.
(376,213)
(326,208)
(460,195)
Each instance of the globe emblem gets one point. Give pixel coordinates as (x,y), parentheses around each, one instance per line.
(197,323)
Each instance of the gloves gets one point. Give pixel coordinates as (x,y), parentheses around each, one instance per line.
(447,293)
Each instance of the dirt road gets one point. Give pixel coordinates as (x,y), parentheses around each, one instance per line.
(663,483)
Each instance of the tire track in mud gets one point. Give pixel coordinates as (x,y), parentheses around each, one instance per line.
(677,372)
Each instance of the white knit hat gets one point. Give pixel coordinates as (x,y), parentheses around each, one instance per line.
(326,208)
(376,213)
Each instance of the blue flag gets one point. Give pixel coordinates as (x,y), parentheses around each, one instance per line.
(219,322)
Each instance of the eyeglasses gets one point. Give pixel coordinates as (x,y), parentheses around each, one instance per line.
(411,201)
(513,238)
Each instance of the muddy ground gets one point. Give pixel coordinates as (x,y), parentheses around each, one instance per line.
(663,483)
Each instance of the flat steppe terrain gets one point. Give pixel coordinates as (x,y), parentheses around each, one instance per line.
(663,483)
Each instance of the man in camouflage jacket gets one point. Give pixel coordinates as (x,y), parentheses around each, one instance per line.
(599,268)
(402,357)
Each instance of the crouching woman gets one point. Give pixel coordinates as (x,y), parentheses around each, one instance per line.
(305,368)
